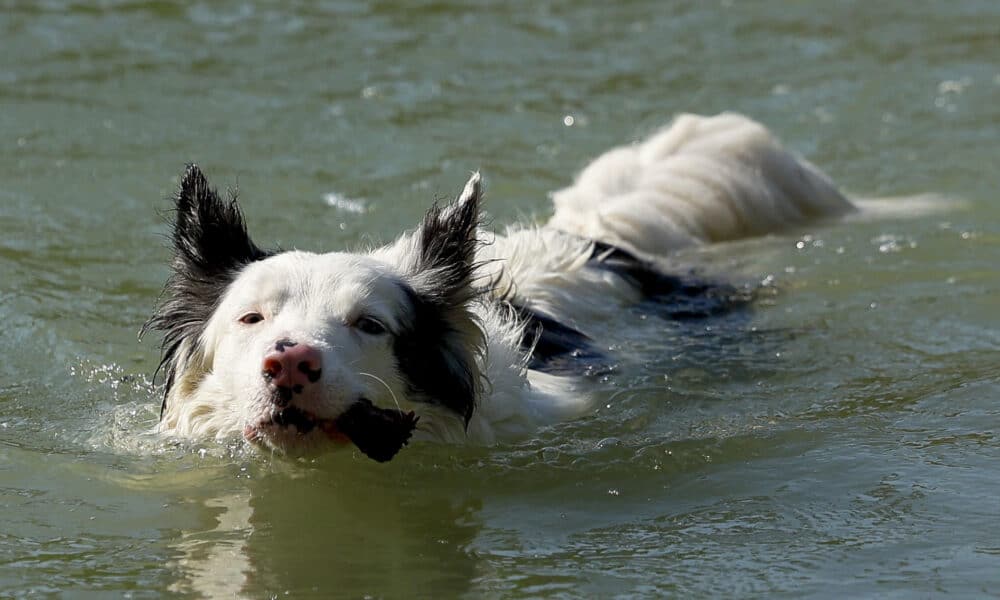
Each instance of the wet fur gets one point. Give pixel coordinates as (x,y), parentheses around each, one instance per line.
(483,339)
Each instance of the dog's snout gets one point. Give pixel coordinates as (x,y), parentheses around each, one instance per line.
(291,366)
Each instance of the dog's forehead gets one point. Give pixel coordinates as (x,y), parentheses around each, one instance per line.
(334,276)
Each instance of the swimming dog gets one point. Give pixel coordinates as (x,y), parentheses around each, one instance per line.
(451,333)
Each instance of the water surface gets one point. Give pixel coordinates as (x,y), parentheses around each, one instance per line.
(840,439)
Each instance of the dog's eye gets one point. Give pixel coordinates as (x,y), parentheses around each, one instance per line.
(370,326)
(251,318)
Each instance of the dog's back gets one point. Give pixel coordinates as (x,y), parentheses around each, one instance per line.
(697,181)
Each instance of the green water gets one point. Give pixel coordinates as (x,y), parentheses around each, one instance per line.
(839,440)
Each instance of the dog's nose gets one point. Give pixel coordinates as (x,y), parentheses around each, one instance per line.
(292,365)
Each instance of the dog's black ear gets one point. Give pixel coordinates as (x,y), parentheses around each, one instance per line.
(441,349)
(211,245)
(448,245)
(210,236)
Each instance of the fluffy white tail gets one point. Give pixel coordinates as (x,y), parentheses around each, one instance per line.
(698,180)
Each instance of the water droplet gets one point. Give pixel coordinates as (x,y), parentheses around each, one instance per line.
(343,203)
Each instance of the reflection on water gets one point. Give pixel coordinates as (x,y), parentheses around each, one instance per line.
(214,562)
(300,529)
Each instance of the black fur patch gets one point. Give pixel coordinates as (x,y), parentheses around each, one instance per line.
(556,348)
(433,351)
(211,245)
(435,370)
(559,349)
(671,296)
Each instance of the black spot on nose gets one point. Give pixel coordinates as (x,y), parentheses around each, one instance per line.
(284,395)
(282,344)
(312,375)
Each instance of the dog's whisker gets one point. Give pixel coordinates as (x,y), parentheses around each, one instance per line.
(382,381)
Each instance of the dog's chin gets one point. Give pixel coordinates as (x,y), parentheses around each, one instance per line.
(294,431)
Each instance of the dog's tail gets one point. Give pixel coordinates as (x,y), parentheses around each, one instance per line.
(698,180)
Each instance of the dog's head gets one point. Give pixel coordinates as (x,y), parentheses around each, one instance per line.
(297,350)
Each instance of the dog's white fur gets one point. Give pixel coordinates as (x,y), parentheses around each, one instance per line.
(699,180)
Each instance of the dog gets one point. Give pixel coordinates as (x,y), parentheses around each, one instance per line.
(451,333)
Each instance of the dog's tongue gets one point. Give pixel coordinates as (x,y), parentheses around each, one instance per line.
(378,432)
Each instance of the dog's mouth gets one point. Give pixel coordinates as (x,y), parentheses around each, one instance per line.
(288,424)
(302,421)
(378,432)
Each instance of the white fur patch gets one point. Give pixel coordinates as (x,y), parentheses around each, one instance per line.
(699,180)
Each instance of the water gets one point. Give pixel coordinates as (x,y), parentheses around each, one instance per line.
(839,439)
